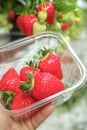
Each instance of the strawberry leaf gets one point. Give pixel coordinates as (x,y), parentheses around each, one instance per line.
(25,7)
(22,2)
(65,5)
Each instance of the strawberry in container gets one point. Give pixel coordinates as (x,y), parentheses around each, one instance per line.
(50,62)
(38,81)
(12,95)
(25,89)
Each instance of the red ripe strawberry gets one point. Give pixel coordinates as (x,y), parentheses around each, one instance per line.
(10,81)
(51,63)
(65,26)
(19,21)
(27,70)
(21,101)
(0,84)
(49,7)
(45,85)
(25,23)
(11,14)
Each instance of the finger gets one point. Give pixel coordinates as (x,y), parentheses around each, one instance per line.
(37,119)
(4,119)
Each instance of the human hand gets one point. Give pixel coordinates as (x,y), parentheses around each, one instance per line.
(8,123)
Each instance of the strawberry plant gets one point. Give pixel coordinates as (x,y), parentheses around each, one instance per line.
(7,13)
(63,16)
(32,17)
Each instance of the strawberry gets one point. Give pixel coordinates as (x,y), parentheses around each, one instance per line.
(38,28)
(65,26)
(0,84)
(11,14)
(50,8)
(21,101)
(10,81)
(19,21)
(25,71)
(50,63)
(42,16)
(45,85)
(58,25)
(25,23)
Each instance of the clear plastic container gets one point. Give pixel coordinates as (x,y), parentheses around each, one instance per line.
(16,53)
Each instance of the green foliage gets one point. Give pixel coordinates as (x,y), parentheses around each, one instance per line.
(70,14)
(6,5)
(85,15)
(65,5)
(26,6)
(4,22)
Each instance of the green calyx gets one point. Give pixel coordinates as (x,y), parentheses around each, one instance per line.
(43,52)
(27,86)
(7,98)
(32,64)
